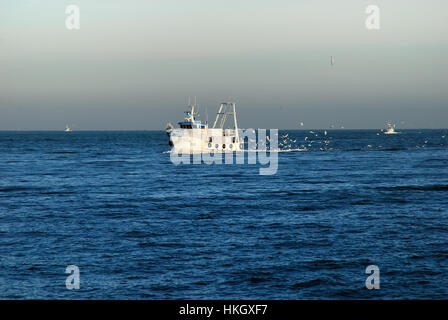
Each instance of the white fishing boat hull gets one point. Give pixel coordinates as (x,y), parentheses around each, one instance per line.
(204,141)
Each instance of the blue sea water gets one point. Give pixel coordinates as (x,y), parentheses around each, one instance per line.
(140,227)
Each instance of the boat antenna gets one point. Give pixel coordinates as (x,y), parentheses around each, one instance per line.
(206,115)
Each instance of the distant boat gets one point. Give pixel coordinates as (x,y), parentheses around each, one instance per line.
(390,129)
(332,61)
(67,128)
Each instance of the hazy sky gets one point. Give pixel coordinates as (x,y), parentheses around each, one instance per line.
(133,63)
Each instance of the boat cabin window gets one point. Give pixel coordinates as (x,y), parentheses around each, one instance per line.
(191,126)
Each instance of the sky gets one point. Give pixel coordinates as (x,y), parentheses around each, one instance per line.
(133,64)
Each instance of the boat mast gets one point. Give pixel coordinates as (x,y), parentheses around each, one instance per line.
(235,124)
(190,112)
(226,109)
(217,115)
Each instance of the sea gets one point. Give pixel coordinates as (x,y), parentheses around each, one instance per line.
(137,226)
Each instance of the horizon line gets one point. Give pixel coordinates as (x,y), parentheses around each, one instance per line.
(136,130)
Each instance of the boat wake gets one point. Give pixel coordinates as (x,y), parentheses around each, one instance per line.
(245,151)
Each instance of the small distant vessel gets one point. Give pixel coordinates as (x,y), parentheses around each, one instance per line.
(390,128)
(67,128)
(332,61)
(195,136)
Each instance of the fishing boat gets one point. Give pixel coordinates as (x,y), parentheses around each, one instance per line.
(390,129)
(195,136)
(67,128)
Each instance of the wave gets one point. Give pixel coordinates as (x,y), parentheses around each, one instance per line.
(436,187)
(19,188)
(309,283)
(63,152)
